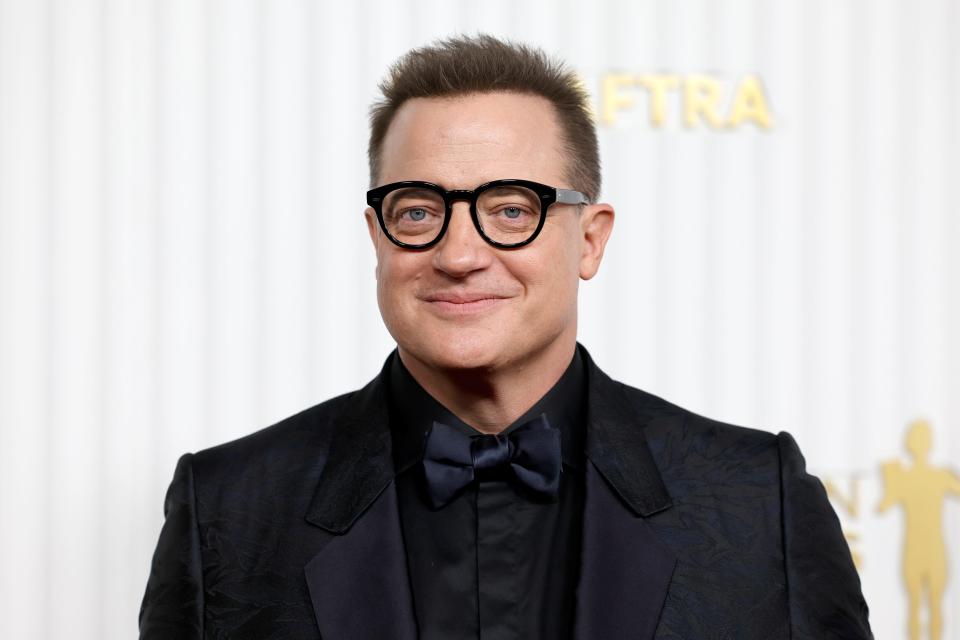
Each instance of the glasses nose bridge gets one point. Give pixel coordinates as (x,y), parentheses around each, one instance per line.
(456,195)
(460,195)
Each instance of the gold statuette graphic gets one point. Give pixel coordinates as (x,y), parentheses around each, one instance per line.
(920,490)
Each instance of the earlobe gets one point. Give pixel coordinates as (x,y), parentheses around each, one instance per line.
(596,224)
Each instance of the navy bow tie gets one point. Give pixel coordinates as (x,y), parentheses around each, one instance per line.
(530,453)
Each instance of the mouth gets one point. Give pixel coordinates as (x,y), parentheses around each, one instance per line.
(462,303)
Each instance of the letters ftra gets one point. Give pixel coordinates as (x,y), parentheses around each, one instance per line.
(701,100)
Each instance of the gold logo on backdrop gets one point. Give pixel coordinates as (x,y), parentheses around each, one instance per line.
(704,100)
(920,490)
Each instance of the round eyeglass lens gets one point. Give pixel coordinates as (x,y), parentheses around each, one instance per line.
(413,215)
(508,213)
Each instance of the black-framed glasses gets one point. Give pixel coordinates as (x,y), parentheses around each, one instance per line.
(507,213)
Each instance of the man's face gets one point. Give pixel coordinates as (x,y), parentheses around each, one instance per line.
(464,304)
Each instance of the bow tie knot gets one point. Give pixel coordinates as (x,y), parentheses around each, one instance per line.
(530,453)
(491,455)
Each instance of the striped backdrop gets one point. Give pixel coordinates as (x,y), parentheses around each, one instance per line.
(170,170)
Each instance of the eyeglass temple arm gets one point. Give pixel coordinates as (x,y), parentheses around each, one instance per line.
(569,196)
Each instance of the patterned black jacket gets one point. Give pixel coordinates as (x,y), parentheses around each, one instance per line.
(692,530)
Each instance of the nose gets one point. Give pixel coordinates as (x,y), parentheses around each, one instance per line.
(461,250)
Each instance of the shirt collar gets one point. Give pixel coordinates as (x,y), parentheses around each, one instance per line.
(413,410)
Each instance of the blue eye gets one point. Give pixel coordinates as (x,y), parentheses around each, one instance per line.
(417,214)
(513,212)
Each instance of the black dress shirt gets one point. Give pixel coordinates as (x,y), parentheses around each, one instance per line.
(497,562)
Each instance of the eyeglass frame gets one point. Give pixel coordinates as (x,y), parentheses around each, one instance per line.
(548,195)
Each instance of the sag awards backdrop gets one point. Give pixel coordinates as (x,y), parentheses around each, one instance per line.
(183,258)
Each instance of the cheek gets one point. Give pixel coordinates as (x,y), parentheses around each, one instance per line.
(397,275)
(555,269)
(550,279)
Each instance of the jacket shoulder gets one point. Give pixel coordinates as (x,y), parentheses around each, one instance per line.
(666,419)
(297,441)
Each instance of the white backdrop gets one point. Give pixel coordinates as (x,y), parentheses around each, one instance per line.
(166,284)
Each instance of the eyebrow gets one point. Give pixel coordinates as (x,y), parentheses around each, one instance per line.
(503,188)
(418,191)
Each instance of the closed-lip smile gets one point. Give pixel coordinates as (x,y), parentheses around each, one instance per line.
(461,298)
(459,303)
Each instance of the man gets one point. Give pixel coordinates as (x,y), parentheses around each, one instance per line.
(492,481)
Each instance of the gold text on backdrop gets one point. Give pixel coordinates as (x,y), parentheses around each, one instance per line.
(700,99)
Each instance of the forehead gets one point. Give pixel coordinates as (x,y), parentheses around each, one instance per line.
(463,141)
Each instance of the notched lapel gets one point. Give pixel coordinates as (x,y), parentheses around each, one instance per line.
(625,569)
(358,582)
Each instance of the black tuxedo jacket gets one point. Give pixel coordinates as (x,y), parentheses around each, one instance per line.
(691,529)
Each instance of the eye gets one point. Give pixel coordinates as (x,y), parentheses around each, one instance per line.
(513,213)
(415,214)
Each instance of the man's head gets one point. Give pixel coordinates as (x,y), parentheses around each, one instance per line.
(459,114)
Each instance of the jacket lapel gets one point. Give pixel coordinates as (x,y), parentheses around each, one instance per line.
(625,570)
(358,582)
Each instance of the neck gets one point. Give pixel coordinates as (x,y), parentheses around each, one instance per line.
(490,400)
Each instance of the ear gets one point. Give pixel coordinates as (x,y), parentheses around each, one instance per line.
(373,228)
(596,223)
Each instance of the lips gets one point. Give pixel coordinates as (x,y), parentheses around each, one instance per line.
(453,304)
(462,298)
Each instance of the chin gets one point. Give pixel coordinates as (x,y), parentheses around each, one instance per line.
(459,349)
(464,352)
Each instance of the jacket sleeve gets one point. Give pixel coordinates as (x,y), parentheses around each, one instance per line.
(822,583)
(173,603)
